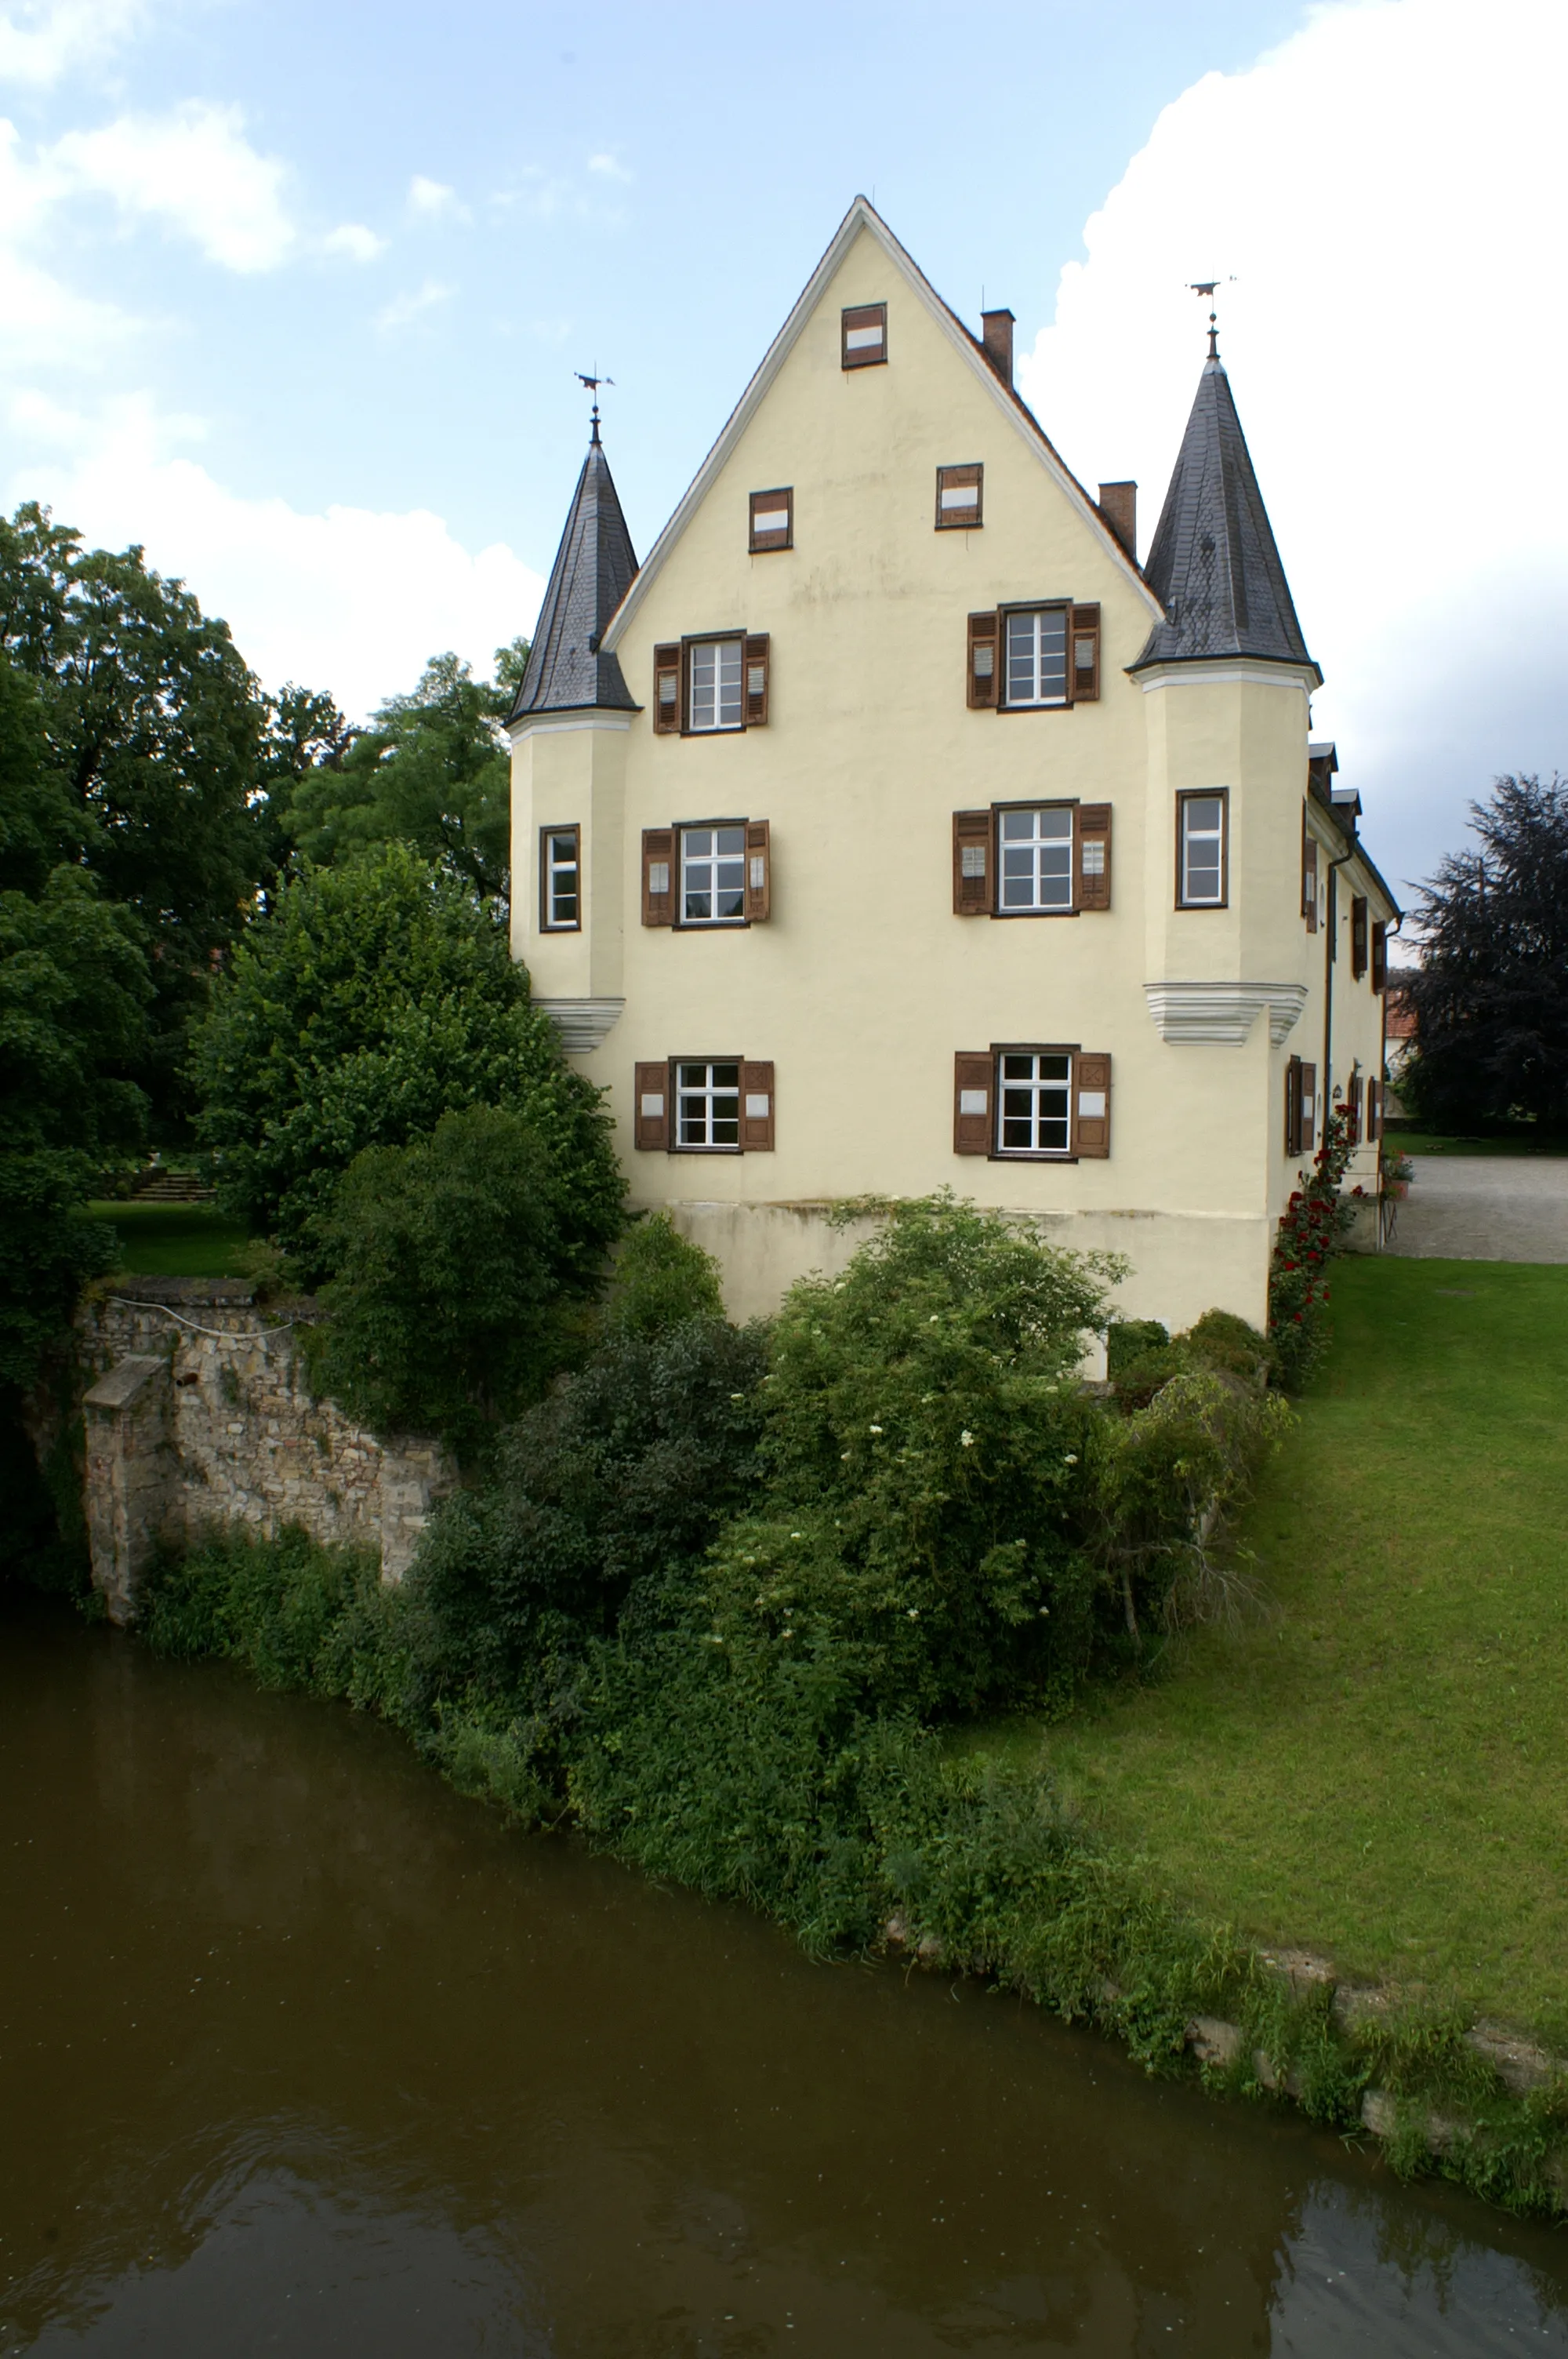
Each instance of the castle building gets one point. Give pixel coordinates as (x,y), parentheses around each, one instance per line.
(892,828)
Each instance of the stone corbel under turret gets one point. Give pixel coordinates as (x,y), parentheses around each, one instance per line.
(583,1025)
(1186,1014)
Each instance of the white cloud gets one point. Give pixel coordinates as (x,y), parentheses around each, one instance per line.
(42,39)
(193,169)
(433,201)
(352,240)
(404,310)
(1386,188)
(351,600)
(609,166)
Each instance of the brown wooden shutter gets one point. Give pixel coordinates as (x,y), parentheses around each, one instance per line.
(667,689)
(1374,1112)
(1380,955)
(757,1106)
(1293,1106)
(960,492)
(1309,876)
(1353,1110)
(759,870)
(1091,1104)
(1091,856)
(974,1076)
(1083,665)
(1358,935)
(1309,1109)
(651,1113)
(658,877)
(864,334)
(972,895)
(755,655)
(985,635)
(773,519)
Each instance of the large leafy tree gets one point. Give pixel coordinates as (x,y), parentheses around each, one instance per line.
(1490,996)
(371,999)
(153,733)
(431,770)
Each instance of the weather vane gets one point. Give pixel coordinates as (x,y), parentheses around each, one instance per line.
(1207,286)
(593,383)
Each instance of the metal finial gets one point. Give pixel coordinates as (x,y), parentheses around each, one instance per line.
(1207,286)
(593,383)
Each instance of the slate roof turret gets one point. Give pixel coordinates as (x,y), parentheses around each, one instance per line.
(592,572)
(1212,563)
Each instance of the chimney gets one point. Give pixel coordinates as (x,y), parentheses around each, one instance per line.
(996,334)
(1118,506)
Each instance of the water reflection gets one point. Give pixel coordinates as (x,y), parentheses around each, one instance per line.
(302,2053)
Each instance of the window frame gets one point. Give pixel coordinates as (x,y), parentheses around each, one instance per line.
(548,836)
(768,503)
(679,920)
(1186,796)
(678,1146)
(1004,703)
(690,647)
(972,468)
(997,1152)
(1070,805)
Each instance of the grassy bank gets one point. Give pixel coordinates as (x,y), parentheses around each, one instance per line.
(1523,1139)
(1377,1769)
(174,1240)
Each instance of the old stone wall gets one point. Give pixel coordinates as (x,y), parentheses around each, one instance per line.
(198,1412)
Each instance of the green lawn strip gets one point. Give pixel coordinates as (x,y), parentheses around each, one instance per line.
(174,1240)
(1523,1141)
(1377,1769)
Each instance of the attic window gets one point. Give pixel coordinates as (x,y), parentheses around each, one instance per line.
(865,335)
(959,492)
(772,520)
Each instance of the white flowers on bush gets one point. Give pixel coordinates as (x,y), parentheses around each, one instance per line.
(967,1438)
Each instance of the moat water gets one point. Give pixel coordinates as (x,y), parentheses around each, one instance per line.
(301,2053)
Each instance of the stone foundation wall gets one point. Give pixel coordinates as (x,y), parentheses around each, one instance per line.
(198,1413)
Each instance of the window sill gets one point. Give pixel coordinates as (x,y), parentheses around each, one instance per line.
(710,925)
(705,1150)
(575,928)
(727,729)
(1025,1155)
(1037,913)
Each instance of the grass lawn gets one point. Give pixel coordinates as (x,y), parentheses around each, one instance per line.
(174,1240)
(1413,1140)
(1378,1770)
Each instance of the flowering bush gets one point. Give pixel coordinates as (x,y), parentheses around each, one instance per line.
(1313,1229)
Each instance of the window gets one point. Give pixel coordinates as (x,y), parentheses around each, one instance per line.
(1042,1103)
(1037,656)
(708,1104)
(1200,851)
(1309,874)
(959,491)
(1036,851)
(560,905)
(715,685)
(864,335)
(772,520)
(1033,1095)
(713,874)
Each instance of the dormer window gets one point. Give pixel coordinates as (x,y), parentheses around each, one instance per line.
(865,335)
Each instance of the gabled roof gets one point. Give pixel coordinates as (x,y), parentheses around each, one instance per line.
(1212,563)
(568,671)
(862,215)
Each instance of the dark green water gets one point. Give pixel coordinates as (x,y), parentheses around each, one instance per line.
(302,2053)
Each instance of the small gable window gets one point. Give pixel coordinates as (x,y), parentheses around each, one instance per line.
(772,520)
(959,493)
(864,335)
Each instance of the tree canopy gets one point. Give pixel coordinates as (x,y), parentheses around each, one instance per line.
(1490,996)
(372,999)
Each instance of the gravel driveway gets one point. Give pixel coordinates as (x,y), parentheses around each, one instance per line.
(1485,1208)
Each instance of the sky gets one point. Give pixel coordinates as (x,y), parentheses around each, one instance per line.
(292,295)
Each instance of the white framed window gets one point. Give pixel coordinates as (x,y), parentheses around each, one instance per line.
(559,886)
(1034,1101)
(708,1104)
(1036,655)
(1201,850)
(712,875)
(715,700)
(1036,858)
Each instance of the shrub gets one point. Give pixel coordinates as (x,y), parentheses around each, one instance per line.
(1127,1339)
(661,1278)
(276,1606)
(448,1312)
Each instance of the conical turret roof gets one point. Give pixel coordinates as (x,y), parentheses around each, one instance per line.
(592,572)
(1213,564)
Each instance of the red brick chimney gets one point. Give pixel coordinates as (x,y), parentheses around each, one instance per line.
(1118,506)
(996,334)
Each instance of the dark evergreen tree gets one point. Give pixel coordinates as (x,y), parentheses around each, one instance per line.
(1490,996)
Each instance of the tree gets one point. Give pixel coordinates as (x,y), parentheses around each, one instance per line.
(370,1000)
(1490,996)
(450,1279)
(153,728)
(431,770)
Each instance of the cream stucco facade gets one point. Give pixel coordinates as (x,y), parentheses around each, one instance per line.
(861,985)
